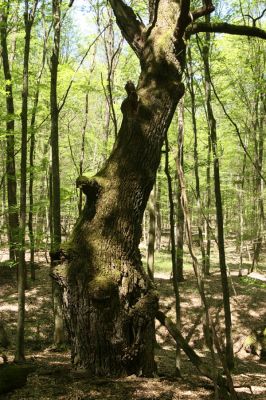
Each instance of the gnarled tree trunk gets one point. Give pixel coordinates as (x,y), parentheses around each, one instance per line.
(109,303)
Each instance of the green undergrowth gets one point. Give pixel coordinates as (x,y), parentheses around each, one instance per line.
(251,282)
(163,262)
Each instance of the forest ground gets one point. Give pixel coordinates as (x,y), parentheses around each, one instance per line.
(55,379)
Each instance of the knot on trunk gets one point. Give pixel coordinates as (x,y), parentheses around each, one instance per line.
(146,308)
(102,288)
(91,187)
(59,272)
(58,257)
(129,106)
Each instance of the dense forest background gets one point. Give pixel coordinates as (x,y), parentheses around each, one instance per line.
(62,79)
(93,67)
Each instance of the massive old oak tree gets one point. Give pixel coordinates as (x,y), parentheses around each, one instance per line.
(109,302)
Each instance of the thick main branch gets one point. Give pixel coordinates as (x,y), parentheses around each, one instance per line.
(131,28)
(223,27)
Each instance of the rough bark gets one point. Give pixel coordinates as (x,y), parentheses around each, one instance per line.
(105,288)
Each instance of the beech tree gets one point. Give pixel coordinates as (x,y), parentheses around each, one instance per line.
(109,302)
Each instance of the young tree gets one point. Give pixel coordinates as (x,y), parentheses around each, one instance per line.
(55,192)
(191,90)
(13,219)
(180,213)
(109,303)
(55,201)
(175,265)
(152,233)
(29,15)
(32,128)
(219,205)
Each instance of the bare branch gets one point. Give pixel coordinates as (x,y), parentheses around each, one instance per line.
(186,16)
(183,19)
(131,28)
(223,27)
(206,9)
(254,20)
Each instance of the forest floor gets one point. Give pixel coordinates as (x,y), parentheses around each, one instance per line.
(54,378)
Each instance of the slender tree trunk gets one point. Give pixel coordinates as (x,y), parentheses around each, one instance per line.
(4,214)
(81,161)
(28,21)
(112,57)
(31,158)
(260,109)
(241,214)
(175,271)
(219,208)
(158,214)
(208,327)
(152,233)
(13,219)
(180,213)
(196,160)
(55,209)
(208,208)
